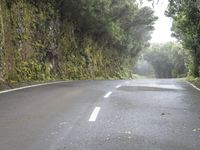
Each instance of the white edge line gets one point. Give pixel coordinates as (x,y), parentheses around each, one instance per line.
(108,94)
(118,86)
(193,85)
(94,114)
(26,87)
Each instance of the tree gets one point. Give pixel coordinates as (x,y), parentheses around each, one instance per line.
(186,28)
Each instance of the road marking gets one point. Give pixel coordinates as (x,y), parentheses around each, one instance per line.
(108,94)
(94,114)
(118,86)
(26,87)
(193,86)
(127,82)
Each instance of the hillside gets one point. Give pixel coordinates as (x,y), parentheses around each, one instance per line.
(47,40)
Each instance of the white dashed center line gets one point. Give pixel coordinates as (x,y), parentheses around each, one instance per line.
(118,86)
(94,114)
(108,94)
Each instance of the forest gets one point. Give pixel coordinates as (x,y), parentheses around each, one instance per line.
(166,60)
(182,58)
(45,40)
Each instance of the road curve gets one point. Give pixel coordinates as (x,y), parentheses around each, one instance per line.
(102,115)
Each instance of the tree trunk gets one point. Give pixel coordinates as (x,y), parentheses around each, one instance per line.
(196,65)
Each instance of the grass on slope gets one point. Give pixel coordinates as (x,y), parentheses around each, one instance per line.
(195,81)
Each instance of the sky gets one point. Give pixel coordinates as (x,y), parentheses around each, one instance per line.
(162,32)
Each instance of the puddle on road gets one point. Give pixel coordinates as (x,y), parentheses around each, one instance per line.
(150,87)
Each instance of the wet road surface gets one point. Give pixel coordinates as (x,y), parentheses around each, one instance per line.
(102,115)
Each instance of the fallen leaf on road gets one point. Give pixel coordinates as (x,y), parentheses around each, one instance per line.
(195,130)
(163,114)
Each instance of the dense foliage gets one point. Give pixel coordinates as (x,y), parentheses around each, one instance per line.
(169,60)
(186,28)
(71,39)
(118,24)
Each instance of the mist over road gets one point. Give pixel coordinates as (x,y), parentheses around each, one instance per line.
(102,115)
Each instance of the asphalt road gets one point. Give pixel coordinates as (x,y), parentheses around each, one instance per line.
(102,115)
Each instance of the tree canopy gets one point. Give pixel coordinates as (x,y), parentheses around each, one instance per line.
(117,23)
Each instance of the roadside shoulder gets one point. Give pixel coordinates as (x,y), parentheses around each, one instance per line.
(194,82)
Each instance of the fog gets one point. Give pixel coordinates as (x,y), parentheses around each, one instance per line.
(144,68)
